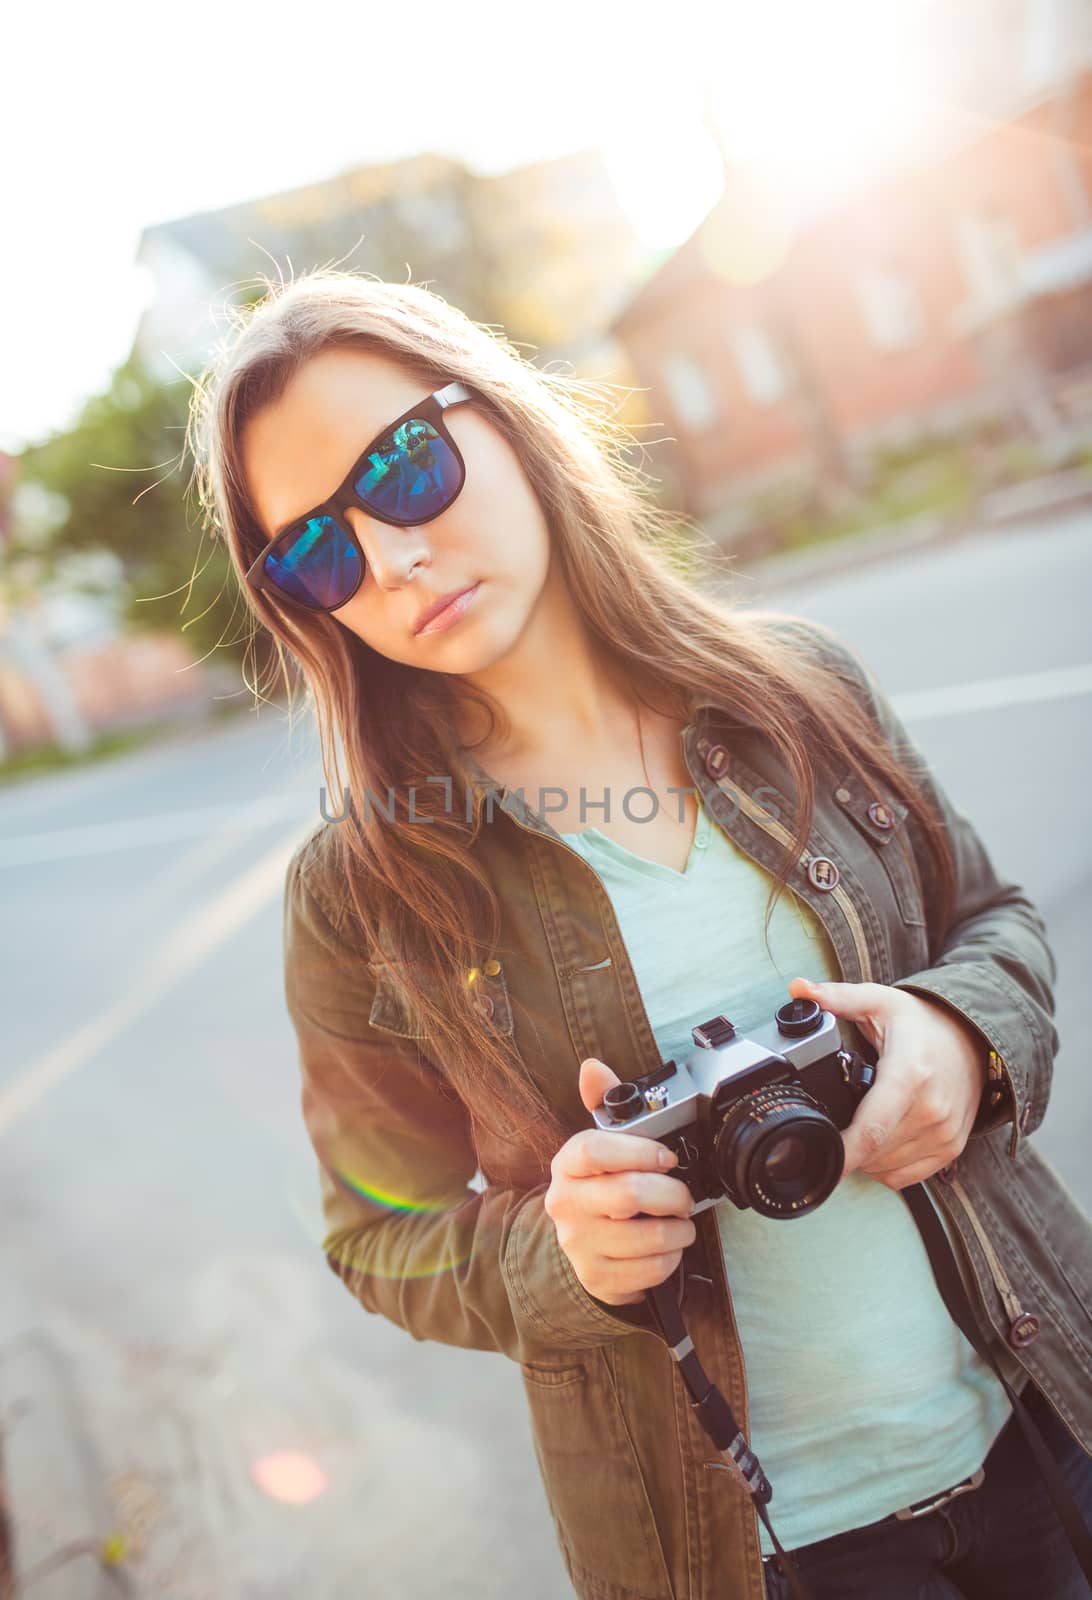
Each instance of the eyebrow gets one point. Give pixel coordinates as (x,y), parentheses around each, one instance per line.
(374,440)
(304,515)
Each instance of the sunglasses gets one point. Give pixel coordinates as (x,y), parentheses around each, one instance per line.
(409,474)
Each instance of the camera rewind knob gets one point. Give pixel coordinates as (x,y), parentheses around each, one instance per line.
(624,1102)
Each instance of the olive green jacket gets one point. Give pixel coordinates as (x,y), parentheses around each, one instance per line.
(622,1457)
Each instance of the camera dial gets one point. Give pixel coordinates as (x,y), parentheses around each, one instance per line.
(797,1018)
(624,1102)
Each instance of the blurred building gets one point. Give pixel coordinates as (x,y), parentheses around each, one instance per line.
(957,288)
(546,250)
(68,673)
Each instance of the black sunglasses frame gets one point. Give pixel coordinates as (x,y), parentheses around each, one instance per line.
(430,410)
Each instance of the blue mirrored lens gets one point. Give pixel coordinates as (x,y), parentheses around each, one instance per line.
(413,473)
(318,564)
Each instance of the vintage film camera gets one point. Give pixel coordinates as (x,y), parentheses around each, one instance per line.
(755,1119)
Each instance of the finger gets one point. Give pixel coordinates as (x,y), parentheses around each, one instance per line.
(914,1172)
(874,1129)
(842,1001)
(632,1240)
(594,1150)
(912,1152)
(855,1001)
(631,1194)
(929,1130)
(640,1275)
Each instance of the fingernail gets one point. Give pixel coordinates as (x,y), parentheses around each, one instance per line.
(668,1158)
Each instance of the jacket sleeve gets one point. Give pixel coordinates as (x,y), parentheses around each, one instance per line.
(993,964)
(403,1230)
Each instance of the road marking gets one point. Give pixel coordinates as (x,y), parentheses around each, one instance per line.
(991,693)
(97,838)
(189,944)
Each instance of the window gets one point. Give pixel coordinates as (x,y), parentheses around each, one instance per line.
(693,397)
(989,249)
(892,310)
(759,367)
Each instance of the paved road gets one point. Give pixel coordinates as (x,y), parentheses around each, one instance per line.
(157,1187)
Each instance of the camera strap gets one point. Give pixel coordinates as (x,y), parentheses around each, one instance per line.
(716,1416)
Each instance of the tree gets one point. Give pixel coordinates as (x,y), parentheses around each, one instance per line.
(119,481)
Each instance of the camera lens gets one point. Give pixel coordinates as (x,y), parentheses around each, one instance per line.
(778,1152)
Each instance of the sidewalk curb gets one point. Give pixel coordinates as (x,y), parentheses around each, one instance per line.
(1055,495)
(53,1491)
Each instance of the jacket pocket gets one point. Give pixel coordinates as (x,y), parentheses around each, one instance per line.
(592,1479)
(881,818)
(553,1377)
(393,1009)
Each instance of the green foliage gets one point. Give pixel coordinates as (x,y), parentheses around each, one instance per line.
(122,481)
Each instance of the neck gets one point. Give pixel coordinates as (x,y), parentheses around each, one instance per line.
(555,687)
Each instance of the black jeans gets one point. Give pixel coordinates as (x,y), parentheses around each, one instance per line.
(1003,1541)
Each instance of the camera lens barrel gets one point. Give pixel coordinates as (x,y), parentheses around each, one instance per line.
(778,1152)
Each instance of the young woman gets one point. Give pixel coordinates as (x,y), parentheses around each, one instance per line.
(578,791)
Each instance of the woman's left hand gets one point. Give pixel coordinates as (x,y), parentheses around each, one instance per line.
(930,1074)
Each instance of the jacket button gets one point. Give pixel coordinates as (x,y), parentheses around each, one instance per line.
(716,760)
(491,968)
(879,814)
(1025,1115)
(1024,1330)
(822,873)
(843,795)
(485,1001)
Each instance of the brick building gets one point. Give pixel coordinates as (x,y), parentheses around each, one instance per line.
(957,288)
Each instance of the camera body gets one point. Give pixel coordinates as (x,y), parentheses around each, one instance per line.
(758,1119)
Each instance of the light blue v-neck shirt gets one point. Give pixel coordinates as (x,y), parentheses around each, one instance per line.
(864,1396)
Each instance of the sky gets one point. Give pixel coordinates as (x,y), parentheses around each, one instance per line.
(118,116)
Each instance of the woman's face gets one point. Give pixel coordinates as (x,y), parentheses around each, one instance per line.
(297,451)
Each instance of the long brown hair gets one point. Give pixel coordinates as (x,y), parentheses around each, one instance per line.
(417,890)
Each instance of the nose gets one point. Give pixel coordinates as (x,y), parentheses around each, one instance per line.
(392,553)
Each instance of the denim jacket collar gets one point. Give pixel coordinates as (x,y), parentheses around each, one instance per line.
(481,784)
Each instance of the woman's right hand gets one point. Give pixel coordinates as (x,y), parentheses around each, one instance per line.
(600,1182)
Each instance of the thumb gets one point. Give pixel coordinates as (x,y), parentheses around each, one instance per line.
(595,1079)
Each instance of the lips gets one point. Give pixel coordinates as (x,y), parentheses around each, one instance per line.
(440,605)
